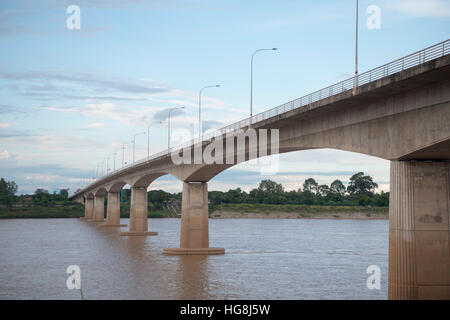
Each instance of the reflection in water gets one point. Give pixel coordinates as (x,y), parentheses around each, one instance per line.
(265,259)
(192,277)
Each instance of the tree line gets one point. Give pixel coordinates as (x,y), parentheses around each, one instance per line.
(360,191)
(42,197)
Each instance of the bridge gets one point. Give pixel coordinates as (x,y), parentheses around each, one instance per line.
(399,111)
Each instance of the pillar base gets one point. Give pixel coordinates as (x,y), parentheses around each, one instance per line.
(138,233)
(112,225)
(192,251)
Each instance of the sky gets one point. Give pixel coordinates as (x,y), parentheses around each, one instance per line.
(71,98)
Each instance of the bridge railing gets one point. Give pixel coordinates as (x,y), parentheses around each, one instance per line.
(413,60)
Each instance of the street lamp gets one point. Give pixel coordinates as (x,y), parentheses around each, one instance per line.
(251,81)
(356,48)
(114,167)
(148,137)
(134,143)
(200,109)
(168,127)
(123,153)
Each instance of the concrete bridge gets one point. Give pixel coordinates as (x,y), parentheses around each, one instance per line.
(399,112)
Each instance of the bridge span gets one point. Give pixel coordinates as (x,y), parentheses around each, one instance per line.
(399,112)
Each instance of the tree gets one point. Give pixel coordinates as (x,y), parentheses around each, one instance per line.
(307,197)
(41,196)
(8,190)
(270,192)
(337,187)
(361,185)
(323,190)
(41,191)
(310,185)
(270,186)
(381,200)
(3,188)
(64,194)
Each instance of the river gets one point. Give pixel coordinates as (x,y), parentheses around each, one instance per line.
(265,259)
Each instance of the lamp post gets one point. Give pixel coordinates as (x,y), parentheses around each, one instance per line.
(107,165)
(148,137)
(123,153)
(356,47)
(134,143)
(168,126)
(251,80)
(200,110)
(114,167)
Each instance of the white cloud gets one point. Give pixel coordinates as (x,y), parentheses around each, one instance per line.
(96,125)
(434,8)
(5,155)
(41,177)
(5,125)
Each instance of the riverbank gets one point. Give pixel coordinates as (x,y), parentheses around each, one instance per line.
(262,211)
(223,211)
(72,210)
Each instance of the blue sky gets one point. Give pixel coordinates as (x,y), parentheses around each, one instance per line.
(70,98)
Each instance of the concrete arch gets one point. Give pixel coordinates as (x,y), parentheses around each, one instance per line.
(101,192)
(116,186)
(145,180)
(206,172)
(89,195)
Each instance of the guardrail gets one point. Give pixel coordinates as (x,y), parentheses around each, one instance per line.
(413,60)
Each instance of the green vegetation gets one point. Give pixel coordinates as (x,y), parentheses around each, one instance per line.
(154,211)
(269,197)
(360,192)
(8,190)
(41,204)
(306,210)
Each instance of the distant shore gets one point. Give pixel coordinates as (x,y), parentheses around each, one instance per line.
(292,215)
(262,211)
(223,211)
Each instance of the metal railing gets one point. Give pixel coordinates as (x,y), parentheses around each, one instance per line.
(413,60)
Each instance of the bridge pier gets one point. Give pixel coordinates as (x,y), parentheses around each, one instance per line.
(88,209)
(113,211)
(194,233)
(99,209)
(419,233)
(138,214)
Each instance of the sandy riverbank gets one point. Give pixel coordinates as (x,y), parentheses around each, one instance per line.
(222,214)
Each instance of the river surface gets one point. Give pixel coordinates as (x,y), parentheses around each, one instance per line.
(265,259)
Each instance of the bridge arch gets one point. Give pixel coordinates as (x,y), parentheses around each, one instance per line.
(116,186)
(145,180)
(101,192)
(89,195)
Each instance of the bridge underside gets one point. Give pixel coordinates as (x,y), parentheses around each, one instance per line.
(438,151)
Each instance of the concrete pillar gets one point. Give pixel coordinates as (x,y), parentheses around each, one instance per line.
(139,214)
(99,209)
(419,215)
(194,234)
(88,209)
(113,211)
